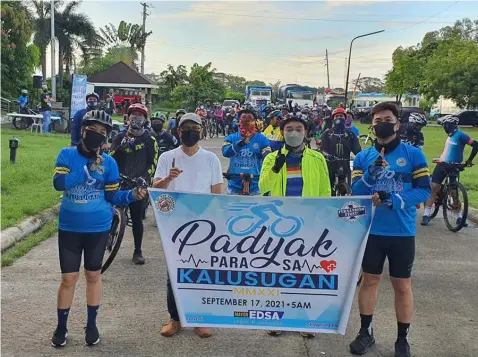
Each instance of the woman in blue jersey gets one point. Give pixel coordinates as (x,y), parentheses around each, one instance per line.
(90,184)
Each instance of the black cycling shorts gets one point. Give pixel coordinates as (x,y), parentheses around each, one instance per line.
(399,250)
(72,245)
(439,174)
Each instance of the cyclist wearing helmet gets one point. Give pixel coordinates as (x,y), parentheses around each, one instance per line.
(340,143)
(89,181)
(273,132)
(173,123)
(246,151)
(453,153)
(295,170)
(411,132)
(92,100)
(219,117)
(136,152)
(23,102)
(349,123)
(165,140)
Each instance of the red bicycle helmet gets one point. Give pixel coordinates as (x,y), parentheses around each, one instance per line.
(339,111)
(138,107)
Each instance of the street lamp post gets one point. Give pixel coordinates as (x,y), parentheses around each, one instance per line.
(348,66)
(53,77)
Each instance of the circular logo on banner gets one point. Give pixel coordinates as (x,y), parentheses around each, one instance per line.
(165,204)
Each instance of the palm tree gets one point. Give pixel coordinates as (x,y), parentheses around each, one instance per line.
(41,38)
(74,31)
(125,35)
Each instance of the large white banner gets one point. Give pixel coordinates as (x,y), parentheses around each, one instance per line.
(263,262)
(78,94)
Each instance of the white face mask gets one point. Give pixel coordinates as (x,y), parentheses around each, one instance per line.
(293,138)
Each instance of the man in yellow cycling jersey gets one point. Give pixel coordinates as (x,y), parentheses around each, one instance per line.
(273,132)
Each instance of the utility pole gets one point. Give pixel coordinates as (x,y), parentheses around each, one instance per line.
(345,73)
(327,64)
(52,44)
(145,14)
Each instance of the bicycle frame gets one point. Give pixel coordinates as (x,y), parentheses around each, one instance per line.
(245,180)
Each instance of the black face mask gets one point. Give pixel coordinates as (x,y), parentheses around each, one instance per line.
(384,130)
(93,140)
(449,128)
(340,125)
(190,137)
(157,127)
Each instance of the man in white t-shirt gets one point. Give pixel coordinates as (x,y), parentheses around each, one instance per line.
(189,168)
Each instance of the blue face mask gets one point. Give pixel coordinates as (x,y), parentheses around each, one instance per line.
(92,105)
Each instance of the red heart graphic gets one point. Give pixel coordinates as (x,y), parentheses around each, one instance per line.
(328,265)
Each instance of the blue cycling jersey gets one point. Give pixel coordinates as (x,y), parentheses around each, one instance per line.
(455,146)
(245,159)
(85,206)
(406,178)
(23,101)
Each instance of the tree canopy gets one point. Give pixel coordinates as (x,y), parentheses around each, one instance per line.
(444,63)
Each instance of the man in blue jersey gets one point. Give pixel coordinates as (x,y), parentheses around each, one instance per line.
(90,184)
(92,100)
(246,150)
(23,102)
(397,177)
(453,153)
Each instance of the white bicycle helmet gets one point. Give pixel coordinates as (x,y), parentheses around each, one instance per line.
(448,119)
(417,118)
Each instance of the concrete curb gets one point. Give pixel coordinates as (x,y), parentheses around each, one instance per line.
(15,234)
(473,215)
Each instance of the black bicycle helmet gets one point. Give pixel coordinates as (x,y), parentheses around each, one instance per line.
(247,111)
(98,116)
(180,111)
(291,117)
(93,94)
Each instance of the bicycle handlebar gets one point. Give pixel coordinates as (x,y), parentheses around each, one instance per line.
(139,181)
(228,175)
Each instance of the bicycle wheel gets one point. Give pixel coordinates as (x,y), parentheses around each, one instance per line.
(365,140)
(452,202)
(342,189)
(21,123)
(116,237)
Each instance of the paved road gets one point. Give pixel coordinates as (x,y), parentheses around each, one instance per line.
(134,307)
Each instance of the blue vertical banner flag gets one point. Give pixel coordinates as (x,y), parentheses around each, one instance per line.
(78,93)
(263,262)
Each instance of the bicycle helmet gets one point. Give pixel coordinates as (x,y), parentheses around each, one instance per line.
(417,118)
(339,111)
(351,113)
(138,107)
(275,113)
(453,119)
(248,111)
(24,91)
(292,117)
(180,111)
(160,116)
(93,94)
(98,116)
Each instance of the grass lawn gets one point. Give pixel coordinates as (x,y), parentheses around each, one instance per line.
(27,186)
(435,138)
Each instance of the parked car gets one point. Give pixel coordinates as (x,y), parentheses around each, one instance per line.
(363,113)
(229,103)
(467,117)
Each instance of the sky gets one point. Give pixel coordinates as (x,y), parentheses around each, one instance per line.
(281,40)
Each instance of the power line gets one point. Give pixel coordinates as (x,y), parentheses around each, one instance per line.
(317,19)
(429,17)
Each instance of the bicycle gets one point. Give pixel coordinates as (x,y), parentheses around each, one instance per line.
(211,127)
(119,222)
(246,181)
(449,197)
(340,186)
(23,123)
(368,139)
